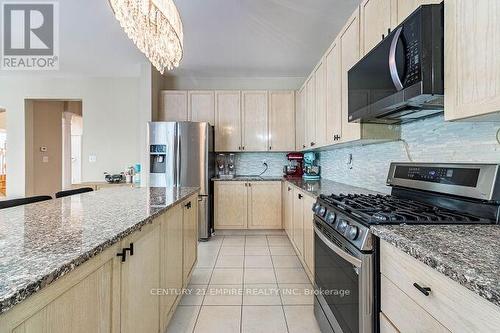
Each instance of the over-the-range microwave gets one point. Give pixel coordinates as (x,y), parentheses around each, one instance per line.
(402,78)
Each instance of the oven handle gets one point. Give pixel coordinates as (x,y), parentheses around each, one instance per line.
(393,69)
(346,256)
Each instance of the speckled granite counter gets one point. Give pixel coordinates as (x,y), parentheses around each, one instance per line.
(39,243)
(466,254)
(248,179)
(327,187)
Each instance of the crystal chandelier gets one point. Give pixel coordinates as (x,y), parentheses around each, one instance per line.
(155,26)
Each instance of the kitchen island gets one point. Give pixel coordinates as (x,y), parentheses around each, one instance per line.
(95,258)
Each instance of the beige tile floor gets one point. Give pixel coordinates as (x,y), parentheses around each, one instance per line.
(247,281)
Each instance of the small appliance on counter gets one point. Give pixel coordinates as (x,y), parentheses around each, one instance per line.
(114,179)
(226,168)
(311,167)
(294,168)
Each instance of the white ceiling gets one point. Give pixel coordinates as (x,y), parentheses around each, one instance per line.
(258,38)
(222,38)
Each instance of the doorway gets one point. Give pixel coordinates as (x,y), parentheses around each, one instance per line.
(53,145)
(3,153)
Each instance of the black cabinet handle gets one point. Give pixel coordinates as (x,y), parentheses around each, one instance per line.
(130,249)
(300,196)
(122,254)
(303,146)
(424,290)
(188,205)
(270,148)
(289,189)
(313,143)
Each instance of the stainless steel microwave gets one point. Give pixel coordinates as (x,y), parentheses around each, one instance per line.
(402,78)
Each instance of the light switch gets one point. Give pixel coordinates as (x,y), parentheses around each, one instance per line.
(92,158)
(45,159)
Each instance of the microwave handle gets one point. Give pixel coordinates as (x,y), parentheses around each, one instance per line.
(393,68)
(344,255)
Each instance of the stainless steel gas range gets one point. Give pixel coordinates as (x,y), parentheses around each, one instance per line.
(346,258)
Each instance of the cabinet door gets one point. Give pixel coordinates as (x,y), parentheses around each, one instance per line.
(298,218)
(375,22)
(173,105)
(281,120)
(201,105)
(264,205)
(190,235)
(333,93)
(349,49)
(472,68)
(255,111)
(230,205)
(309,234)
(171,267)
(300,119)
(140,274)
(288,209)
(310,112)
(406,7)
(87,306)
(227,121)
(320,105)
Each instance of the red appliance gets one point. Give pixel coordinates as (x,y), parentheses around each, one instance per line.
(294,167)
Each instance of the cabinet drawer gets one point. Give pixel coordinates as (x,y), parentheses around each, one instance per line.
(454,306)
(407,315)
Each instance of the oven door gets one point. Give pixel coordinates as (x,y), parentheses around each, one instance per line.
(344,282)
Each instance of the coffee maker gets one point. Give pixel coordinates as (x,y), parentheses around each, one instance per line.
(311,167)
(294,167)
(226,167)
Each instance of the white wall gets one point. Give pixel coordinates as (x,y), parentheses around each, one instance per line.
(113,121)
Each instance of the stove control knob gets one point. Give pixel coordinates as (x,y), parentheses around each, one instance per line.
(321,211)
(342,226)
(353,232)
(315,207)
(330,217)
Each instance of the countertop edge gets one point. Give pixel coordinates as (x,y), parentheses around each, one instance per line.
(432,260)
(22,294)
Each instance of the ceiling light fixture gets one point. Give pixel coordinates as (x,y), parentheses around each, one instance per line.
(155,27)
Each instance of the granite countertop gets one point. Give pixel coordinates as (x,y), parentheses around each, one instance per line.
(326,187)
(467,254)
(243,178)
(41,242)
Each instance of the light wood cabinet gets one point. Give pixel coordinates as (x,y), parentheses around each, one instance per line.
(448,307)
(190,235)
(254,120)
(310,112)
(320,105)
(472,68)
(231,202)
(287,193)
(281,120)
(140,274)
(201,106)
(227,121)
(173,105)
(171,262)
(406,7)
(375,22)
(248,205)
(308,221)
(333,94)
(300,128)
(298,221)
(264,205)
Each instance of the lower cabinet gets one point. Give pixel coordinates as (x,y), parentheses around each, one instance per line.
(298,221)
(248,205)
(133,286)
(308,221)
(287,198)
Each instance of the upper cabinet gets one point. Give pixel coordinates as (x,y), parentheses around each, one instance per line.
(310,113)
(173,105)
(377,19)
(227,121)
(281,120)
(300,139)
(320,105)
(254,116)
(201,106)
(472,66)
(333,94)
(406,7)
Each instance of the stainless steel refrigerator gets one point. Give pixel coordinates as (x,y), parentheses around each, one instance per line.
(182,155)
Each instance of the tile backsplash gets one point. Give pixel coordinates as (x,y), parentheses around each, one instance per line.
(428,140)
